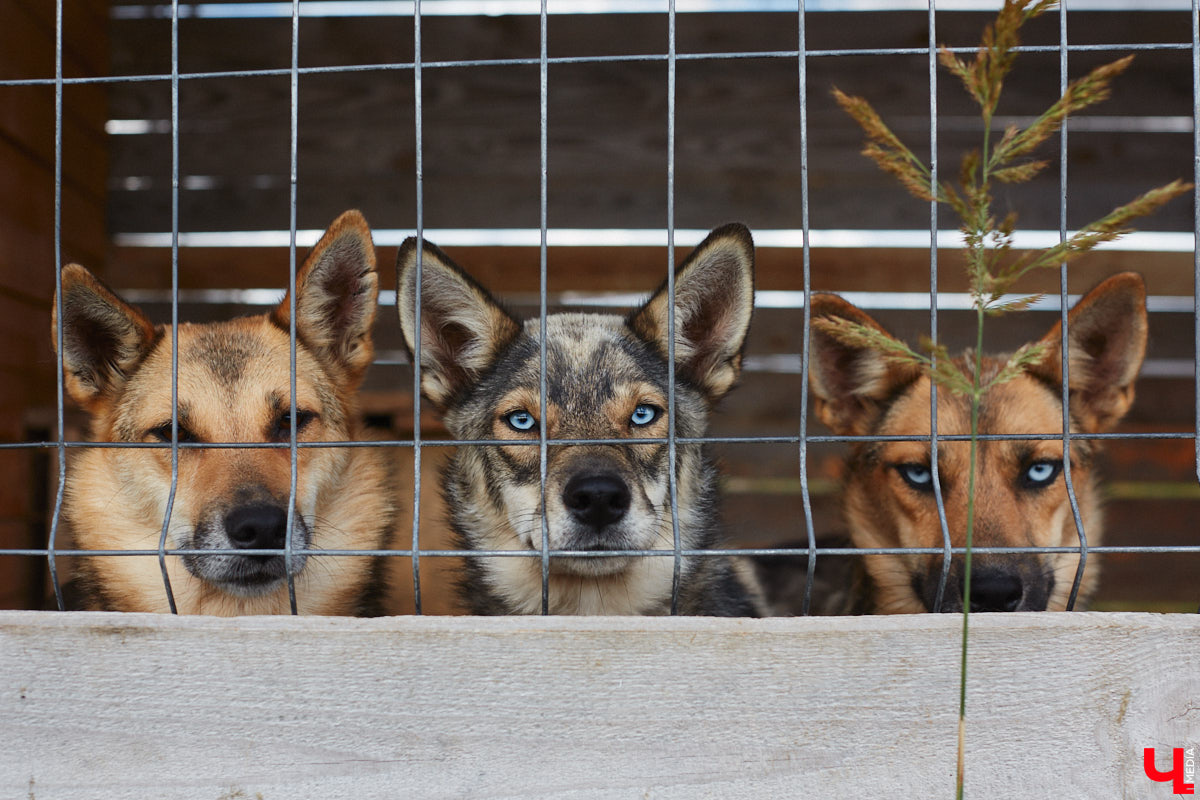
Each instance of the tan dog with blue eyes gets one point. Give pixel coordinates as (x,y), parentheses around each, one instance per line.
(234,386)
(1021,495)
(606,379)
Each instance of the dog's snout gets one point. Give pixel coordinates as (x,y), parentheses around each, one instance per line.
(996,590)
(257,527)
(596,500)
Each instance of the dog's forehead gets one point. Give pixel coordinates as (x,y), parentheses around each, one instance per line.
(591,350)
(578,332)
(1022,405)
(226,353)
(239,361)
(237,352)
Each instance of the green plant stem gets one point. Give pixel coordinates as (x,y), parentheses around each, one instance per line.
(976,397)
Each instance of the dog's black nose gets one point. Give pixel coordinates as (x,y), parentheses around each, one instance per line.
(596,500)
(257,527)
(995,590)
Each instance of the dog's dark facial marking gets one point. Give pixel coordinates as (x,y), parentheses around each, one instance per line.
(225,354)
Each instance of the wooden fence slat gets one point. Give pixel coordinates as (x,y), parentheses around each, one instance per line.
(1060,705)
(510,270)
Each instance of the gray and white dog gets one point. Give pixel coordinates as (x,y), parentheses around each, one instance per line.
(606,379)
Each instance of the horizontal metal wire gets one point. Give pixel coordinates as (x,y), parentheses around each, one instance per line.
(610,238)
(334,9)
(782,439)
(562,60)
(735,551)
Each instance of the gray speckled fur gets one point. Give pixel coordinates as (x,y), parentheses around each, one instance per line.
(592,362)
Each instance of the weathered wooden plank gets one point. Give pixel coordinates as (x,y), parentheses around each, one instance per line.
(120,705)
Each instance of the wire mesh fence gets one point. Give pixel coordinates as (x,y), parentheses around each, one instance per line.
(800,235)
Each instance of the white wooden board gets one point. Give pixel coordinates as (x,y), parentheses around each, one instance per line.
(136,706)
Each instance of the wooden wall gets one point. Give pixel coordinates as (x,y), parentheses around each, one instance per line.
(737,121)
(27,256)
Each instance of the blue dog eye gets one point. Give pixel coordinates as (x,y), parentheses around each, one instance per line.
(644,414)
(520,421)
(918,476)
(1041,474)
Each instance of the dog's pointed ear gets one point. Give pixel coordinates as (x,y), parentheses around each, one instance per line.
(463,329)
(1106,333)
(337,291)
(714,300)
(849,381)
(104,338)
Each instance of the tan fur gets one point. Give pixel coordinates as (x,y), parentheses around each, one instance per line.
(857,392)
(233,387)
(438,574)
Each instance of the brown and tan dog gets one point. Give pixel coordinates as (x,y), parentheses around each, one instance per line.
(233,387)
(1021,496)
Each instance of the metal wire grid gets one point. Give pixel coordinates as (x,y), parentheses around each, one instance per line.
(801,440)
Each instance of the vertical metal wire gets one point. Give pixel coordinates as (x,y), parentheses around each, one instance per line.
(293,454)
(933,315)
(416,365)
(1196,220)
(543,101)
(805,499)
(1062,290)
(62,448)
(162,538)
(673,478)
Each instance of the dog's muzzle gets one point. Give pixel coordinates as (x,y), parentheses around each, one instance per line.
(250,526)
(1013,583)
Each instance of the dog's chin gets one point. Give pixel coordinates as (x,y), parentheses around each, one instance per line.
(245,576)
(251,589)
(597,566)
(591,567)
